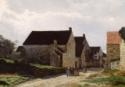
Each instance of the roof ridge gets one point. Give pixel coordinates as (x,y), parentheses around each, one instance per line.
(51,31)
(38,37)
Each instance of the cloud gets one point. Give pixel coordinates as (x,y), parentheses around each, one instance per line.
(92,17)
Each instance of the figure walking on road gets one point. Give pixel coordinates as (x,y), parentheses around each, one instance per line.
(68,71)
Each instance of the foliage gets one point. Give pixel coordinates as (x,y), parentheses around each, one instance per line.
(6,47)
(11,80)
(86,85)
(7,60)
(42,66)
(122,32)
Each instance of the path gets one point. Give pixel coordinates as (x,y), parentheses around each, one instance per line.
(55,81)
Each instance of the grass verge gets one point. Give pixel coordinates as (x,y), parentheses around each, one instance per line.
(11,80)
(114,81)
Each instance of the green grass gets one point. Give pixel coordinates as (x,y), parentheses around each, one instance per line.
(7,60)
(11,80)
(115,81)
(110,71)
(43,66)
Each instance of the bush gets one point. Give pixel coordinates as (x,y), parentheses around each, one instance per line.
(11,80)
(32,70)
(4,83)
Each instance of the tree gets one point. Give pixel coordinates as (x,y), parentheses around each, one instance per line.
(6,47)
(122,32)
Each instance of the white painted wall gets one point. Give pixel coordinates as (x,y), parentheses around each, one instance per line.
(122,55)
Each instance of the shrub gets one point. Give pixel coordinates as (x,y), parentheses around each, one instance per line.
(11,80)
(4,83)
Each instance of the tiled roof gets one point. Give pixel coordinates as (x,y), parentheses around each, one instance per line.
(113,38)
(47,37)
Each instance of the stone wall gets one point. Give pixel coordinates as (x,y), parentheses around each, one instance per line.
(42,54)
(113,54)
(69,56)
(115,64)
(85,54)
(28,70)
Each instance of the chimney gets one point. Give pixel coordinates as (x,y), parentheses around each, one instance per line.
(70,28)
(83,35)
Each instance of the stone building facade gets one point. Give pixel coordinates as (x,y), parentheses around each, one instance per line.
(96,57)
(56,48)
(88,56)
(122,55)
(60,49)
(113,50)
(82,50)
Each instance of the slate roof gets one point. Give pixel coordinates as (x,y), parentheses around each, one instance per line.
(113,38)
(79,45)
(48,37)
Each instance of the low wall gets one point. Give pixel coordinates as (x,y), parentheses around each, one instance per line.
(28,70)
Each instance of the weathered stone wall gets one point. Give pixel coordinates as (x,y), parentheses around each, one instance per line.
(82,60)
(113,54)
(115,64)
(69,56)
(85,54)
(100,54)
(43,54)
(122,55)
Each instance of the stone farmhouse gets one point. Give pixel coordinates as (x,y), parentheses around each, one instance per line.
(113,49)
(60,49)
(82,50)
(116,49)
(56,48)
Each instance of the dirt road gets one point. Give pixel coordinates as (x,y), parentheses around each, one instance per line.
(58,81)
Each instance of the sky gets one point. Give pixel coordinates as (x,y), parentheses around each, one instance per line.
(92,17)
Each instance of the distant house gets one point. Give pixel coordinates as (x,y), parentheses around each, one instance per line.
(56,48)
(113,49)
(96,57)
(82,50)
